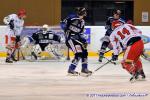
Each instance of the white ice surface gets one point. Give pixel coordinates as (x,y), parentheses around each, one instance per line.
(49,81)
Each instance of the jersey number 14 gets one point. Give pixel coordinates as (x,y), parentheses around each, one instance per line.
(123,33)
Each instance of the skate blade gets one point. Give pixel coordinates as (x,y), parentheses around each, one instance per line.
(69,74)
(133,80)
(84,74)
(141,79)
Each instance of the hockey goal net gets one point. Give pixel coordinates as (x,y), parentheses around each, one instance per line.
(56,51)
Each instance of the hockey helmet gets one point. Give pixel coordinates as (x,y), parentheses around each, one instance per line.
(45,27)
(81,11)
(22,12)
(117,11)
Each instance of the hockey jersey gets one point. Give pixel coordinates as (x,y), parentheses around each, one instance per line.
(74,26)
(18,23)
(109,23)
(45,37)
(123,34)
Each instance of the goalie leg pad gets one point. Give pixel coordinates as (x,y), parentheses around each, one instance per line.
(49,48)
(36,49)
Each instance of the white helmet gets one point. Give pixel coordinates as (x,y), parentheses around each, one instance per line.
(45,26)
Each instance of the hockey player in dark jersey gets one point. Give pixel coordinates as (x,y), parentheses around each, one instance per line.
(105,40)
(73,27)
(42,38)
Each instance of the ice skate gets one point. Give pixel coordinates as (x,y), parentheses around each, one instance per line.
(134,77)
(13,58)
(141,76)
(8,60)
(100,58)
(86,73)
(73,73)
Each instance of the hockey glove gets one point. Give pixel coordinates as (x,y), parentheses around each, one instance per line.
(63,25)
(11,24)
(114,57)
(18,39)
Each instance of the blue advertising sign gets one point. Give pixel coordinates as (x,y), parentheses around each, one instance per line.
(88,33)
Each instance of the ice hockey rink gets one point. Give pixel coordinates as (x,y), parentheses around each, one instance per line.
(48,80)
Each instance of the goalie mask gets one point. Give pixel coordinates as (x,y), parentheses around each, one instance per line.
(45,27)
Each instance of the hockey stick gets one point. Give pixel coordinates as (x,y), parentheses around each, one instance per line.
(99,68)
(79,43)
(145,57)
(107,58)
(110,61)
(105,51)
(22,54)
(102,66)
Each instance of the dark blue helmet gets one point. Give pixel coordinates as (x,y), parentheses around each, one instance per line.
(81,11)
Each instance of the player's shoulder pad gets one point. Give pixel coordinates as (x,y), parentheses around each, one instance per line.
(13,16)
(73,17)
(50,31)
(110,18)
(39,31)
(122,20)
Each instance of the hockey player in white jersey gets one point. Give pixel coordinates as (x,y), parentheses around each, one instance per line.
(130,38)
(15,23)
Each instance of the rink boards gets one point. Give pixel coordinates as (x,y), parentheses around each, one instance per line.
(94,34)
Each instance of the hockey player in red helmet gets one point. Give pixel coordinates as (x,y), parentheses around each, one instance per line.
(131,41)
(22,13)
(15,23)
